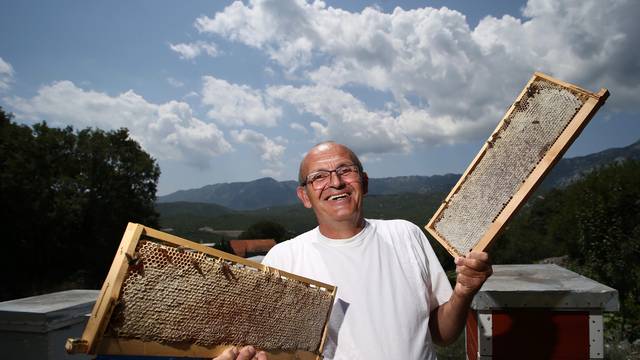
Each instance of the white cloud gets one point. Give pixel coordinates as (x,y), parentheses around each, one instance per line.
(191,94)
(287,24)
(190,51)
(167,131)
(345,119)
(175,82)
(450,82)
(6,75)
(298,127)
(271,151)
(269,72)
(421,127)
(237,105)
(591,43)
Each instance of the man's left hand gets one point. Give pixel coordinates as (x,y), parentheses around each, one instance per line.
(473,270)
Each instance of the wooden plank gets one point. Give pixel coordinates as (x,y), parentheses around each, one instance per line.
(325,331)
(111,288)
(570,86)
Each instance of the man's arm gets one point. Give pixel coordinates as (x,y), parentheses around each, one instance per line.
(447,321)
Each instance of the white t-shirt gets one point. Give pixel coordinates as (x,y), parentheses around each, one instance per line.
(388,280)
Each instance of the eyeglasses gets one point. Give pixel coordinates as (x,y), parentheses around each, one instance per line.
(319,179)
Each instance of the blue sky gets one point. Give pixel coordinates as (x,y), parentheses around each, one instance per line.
(220,91)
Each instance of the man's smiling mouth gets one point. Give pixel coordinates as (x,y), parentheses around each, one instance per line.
(338,197)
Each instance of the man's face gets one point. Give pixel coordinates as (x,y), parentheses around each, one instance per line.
(338,200)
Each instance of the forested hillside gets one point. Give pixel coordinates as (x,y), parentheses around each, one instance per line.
(267,192)
(594,223)
(186,219)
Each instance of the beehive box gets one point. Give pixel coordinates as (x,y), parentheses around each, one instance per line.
(536,130)
(540,311)
(166,296)
(35,327)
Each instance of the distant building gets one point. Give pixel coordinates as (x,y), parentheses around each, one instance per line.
(227,233)
(253,247)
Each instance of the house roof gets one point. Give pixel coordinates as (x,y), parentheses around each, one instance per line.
(247,246)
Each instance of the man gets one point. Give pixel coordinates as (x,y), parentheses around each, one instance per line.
(393,297)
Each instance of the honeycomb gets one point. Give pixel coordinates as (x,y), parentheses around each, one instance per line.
(512,153)
(176,296)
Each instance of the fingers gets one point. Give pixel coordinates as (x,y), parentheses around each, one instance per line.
(229,354)
(473,270)
(475,260)
(246,353)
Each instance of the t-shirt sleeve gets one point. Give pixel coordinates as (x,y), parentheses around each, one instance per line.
(441,287)
(271,259)
(278,257)
(438,286)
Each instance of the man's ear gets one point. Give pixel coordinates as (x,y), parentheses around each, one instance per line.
(304,198)
(365,183)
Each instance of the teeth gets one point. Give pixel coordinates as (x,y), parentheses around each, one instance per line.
(336,197)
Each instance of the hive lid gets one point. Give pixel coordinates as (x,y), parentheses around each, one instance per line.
(44,313)
(543,286)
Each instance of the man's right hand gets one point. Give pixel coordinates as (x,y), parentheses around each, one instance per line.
(246,353)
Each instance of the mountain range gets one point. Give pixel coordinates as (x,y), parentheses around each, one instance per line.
(267,192)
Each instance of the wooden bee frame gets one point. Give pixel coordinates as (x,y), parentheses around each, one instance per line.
(99,336)
(537,129)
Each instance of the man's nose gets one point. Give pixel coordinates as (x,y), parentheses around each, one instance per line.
(335,180)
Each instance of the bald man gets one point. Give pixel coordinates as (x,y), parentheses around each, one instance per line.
(394,299)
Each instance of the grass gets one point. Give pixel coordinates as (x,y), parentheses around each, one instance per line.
(455,351)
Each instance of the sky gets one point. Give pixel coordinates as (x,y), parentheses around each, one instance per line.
(220,91)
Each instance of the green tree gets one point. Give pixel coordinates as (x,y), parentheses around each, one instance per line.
(67,196)
(265,230)
(532,233)
(596,221)
(605,209)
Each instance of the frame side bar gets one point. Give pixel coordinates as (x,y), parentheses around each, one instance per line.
(109,293)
